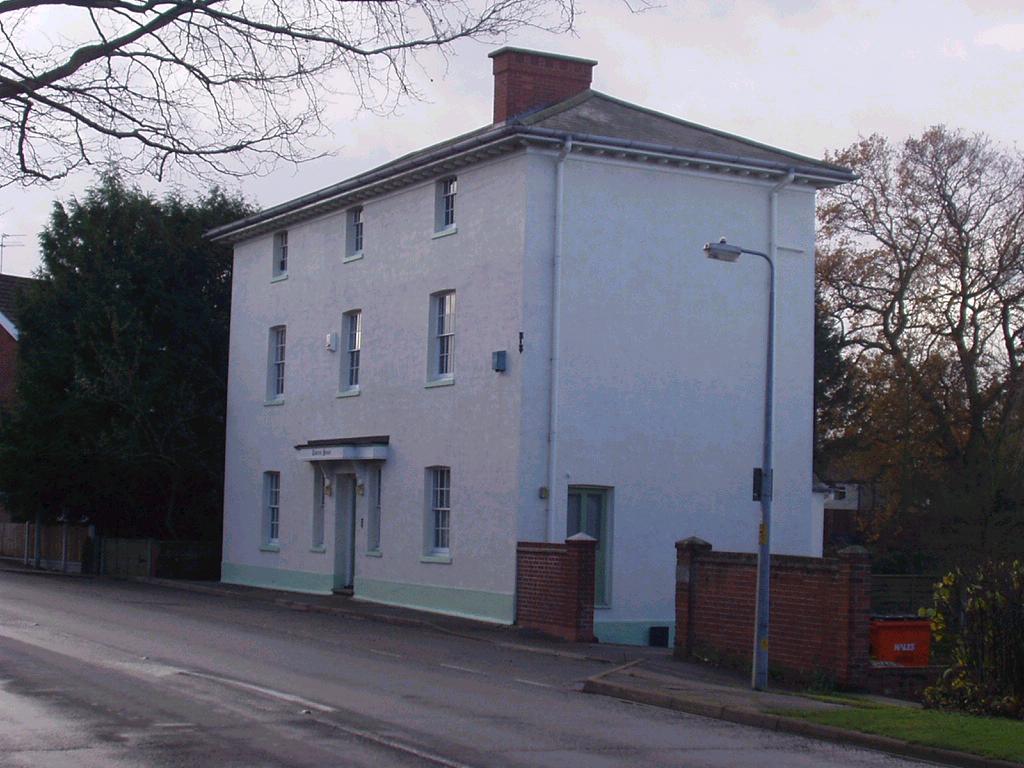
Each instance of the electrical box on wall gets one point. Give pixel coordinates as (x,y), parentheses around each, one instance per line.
(331,342)
(499,361)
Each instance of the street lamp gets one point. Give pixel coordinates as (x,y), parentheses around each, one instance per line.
(723,251)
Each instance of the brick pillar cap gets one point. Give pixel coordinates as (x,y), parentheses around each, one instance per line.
(693,544)
(853,551)
(581,538)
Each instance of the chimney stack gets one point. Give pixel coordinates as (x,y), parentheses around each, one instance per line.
(526,80)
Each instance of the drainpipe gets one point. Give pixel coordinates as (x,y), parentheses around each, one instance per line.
(556,328)
(773,212)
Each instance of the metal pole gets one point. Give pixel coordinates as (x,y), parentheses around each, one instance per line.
(759,672)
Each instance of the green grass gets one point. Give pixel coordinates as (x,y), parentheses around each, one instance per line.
(987,736)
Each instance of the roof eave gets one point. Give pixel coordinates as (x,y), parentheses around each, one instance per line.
(501,139)
(366,184)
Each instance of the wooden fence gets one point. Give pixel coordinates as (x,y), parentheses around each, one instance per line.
(61,547)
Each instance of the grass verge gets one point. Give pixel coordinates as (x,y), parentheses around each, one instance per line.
(986,736)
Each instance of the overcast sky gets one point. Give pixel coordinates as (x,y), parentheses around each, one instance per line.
(802,75)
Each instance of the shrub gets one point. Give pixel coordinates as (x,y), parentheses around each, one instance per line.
(978,620)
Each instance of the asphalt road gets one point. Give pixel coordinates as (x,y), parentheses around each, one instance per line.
(106,673)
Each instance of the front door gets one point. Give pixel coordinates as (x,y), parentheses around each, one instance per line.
(344,531)
(587,512)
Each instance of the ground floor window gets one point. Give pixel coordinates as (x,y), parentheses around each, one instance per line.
(272,508)
(439,518)
(587,512)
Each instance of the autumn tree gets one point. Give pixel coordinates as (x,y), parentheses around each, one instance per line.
(921,262)
(122,373)
(214,86)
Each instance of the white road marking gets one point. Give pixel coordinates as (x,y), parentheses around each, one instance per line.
(174,725)
(281,695)
(532,682)
(389,654)
(397,746)
(383,741)
(462,669)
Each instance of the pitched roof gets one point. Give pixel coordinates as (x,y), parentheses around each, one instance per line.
(590,119)
(597,114)
(10,287)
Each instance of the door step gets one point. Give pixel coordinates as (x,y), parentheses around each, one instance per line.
(346,591)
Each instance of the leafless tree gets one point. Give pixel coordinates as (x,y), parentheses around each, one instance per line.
(213,86)
(921,260)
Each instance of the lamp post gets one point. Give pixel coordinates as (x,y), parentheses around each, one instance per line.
(723,251)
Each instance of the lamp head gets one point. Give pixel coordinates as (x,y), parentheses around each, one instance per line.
(722,251)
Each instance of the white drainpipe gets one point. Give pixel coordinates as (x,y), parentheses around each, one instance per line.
(773,214)
(556,328)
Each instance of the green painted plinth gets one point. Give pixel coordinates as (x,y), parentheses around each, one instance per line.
(277,578)
(477,604)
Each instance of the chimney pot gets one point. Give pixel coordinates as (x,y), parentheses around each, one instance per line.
(526,80)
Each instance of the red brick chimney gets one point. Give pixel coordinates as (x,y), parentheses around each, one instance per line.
(526,80)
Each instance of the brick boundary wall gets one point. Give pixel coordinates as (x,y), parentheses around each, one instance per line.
(555,587)
(820,611)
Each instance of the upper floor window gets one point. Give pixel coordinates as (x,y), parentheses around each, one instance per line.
(354,232)
(353,334)
(281,253)
(444,214)
(275,367)
(442,335)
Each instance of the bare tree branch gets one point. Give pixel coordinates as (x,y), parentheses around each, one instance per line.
(216,86)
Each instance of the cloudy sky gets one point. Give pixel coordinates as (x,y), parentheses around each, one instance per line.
(803,75)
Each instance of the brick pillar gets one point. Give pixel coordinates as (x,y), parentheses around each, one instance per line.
(688,552)
(580,572)
(854,639)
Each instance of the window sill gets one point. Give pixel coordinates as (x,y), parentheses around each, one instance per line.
(445,232)
(279,278)
(318,550)
(373,553)
(278,401)
(440,559)
(352,257)
(351,392)
(270,547)
(440,383)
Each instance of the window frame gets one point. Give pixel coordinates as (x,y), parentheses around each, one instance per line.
(355,232)
(446,193)
(437,527)
(277,355)
(281,253)
(271,509)
(442,327)
(351,362)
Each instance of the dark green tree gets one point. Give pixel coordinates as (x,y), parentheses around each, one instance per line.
(123,365)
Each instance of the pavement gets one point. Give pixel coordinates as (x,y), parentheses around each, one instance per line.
(645,676)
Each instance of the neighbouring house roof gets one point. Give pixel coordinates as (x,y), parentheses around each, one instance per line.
(10,288)
(594,122)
